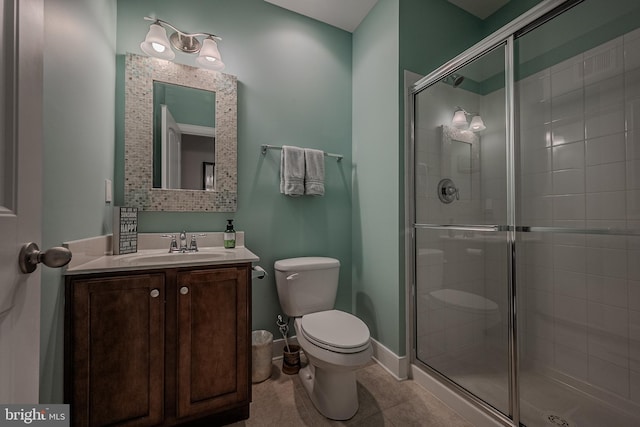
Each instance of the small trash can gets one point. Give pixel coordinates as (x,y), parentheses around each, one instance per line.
(261,354)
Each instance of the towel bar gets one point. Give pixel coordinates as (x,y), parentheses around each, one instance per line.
(266,147)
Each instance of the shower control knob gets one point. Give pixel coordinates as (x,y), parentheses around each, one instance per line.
(447,191)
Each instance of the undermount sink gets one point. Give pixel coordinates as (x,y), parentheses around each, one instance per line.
(175,257)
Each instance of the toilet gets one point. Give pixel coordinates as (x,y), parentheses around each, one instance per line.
(336,343)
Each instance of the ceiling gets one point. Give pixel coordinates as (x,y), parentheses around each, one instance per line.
(347,14)
(344,14)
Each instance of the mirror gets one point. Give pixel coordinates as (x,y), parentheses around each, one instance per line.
(460,160)
(183,137)
(197,168)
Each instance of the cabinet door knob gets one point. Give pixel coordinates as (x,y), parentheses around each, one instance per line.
(184,290)
(155,293)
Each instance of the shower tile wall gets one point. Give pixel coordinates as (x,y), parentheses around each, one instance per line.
(580,168)
(445,259)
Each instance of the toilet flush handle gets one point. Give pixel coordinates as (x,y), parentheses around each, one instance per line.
(292,276)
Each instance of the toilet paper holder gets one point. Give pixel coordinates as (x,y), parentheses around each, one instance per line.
(258,272)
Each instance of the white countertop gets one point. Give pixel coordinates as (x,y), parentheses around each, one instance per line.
(157,258)
(92,255)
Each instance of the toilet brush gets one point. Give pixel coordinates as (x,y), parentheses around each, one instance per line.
(284,330)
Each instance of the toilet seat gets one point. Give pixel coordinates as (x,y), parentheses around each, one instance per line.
(336,331)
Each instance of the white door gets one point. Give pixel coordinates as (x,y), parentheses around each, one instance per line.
(171,151)
(20,196)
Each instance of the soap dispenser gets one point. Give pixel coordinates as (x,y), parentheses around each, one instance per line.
(230,235)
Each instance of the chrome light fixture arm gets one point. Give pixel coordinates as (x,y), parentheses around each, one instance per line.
(165,23)
(157,44)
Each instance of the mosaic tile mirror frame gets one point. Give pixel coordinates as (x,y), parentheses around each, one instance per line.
(140,73)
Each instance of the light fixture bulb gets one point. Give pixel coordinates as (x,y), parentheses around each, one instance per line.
(459,120)
(156,43)
(158,47)
(476,124)
(210,55)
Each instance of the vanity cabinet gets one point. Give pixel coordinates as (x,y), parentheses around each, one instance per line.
(158,347)
(213,347)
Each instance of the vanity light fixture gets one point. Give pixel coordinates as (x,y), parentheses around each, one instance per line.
(459,121)
(157,44)
(476,124)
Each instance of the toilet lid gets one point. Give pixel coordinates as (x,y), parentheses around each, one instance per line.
(335,330)
(464,300)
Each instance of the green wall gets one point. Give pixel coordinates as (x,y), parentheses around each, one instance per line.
(78,97)
(377,284)
(506,14)
(294,88)
(187,105)
(433,32)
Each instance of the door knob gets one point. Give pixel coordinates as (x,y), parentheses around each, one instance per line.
(31,256)
(155,293)
(184,290)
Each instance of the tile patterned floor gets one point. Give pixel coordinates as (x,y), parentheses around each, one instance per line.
(384,401)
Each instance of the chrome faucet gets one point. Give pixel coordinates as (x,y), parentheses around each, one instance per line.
(183,241)
(193,245)
(183,247)
(173,246)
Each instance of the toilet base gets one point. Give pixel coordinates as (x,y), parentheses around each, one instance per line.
(334,394)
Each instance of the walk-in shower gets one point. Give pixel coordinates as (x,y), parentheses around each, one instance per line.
(526,234)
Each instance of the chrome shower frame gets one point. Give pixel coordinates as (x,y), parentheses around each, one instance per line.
(505,36)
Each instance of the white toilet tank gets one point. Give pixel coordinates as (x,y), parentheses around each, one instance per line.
(307,284)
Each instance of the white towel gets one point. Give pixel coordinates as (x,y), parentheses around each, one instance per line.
(292,171)
(314,172)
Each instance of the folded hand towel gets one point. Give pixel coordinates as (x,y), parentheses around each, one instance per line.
(292,171)
(314,172)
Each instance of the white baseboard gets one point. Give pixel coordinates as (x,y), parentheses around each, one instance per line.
(397,366)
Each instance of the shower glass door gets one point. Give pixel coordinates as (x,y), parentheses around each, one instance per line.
(578,254)
(461,211)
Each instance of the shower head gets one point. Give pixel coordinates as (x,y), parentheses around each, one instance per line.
(456,79)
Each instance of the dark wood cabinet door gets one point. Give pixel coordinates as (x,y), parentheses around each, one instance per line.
(117,350)
(213,359)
